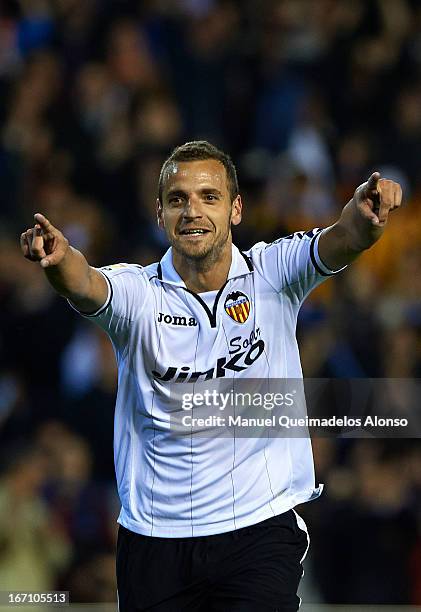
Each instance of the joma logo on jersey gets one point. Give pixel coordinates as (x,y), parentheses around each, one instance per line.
(237,306)
(176,320)
(235,363)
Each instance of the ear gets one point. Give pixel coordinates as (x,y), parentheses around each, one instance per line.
(159,214)
(237,207)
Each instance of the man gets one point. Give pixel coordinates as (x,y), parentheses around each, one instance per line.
(207,523)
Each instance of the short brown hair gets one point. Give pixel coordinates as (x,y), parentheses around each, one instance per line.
(201,150)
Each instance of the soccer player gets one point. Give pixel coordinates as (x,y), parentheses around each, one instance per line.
(207,523)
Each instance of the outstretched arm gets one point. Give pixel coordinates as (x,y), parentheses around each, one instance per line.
(361,223)
(65,267)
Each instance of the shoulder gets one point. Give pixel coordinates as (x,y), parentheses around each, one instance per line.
(283,241)
(286,260)
(121,268)
(118,269)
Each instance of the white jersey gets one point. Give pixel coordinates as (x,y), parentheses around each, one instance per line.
(178,486)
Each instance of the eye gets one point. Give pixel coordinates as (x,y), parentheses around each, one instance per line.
(210,197)
(175,201)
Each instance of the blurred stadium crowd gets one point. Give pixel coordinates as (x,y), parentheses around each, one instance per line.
(309,97)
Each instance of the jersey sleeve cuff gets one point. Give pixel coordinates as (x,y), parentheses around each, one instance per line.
(103,307)
(315,257)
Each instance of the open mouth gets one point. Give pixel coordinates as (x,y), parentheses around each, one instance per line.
(194,232)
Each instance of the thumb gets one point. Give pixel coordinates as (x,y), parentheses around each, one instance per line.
(372,182)
(44,263)
(55,258)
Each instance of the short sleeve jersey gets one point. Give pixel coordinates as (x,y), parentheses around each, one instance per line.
(181,486)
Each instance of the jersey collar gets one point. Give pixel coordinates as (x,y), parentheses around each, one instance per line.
(240,265)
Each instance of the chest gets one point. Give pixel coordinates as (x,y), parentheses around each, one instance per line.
(189,338)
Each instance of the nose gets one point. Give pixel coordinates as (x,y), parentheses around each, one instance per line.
(192,208)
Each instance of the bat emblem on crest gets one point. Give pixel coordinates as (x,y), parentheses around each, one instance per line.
(237,306)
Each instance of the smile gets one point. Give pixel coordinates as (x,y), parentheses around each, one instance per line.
(194,232)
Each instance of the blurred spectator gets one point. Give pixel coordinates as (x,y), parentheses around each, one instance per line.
(367,534)
(80,503)
(33,544)
(93,580)
(89,406)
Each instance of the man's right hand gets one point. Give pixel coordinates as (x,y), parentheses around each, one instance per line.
(66,268)
(44,243)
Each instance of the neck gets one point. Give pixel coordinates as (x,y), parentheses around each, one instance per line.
(205,274)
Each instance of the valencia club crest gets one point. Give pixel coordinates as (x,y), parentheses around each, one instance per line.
(237,306)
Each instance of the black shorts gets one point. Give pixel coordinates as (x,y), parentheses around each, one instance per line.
(254,569)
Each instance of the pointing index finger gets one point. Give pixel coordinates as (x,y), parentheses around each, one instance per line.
(372,181)
(44,222)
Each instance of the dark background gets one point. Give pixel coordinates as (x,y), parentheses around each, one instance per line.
(309,97)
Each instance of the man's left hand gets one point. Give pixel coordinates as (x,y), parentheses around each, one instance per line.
(362,221)
(376,198)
